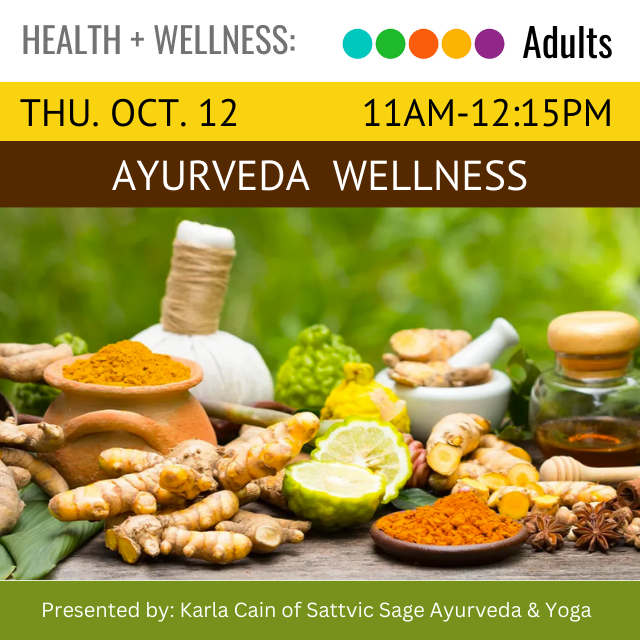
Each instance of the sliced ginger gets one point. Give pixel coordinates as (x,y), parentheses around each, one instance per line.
(425,345)
(452,438)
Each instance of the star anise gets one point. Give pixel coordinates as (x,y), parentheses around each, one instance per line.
(546,534)
(597,533)
(590,513)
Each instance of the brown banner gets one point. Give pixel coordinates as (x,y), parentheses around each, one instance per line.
(309,174)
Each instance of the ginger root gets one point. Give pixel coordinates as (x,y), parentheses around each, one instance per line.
(517,470)
(266,533)
(571,493)
(268,452)
(491,441)
(40,437)
(29,366)
(452,438)
(10,504)
(20,476)
(42,473)
(425,345)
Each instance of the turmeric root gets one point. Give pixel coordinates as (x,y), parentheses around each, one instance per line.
(42,473)
(145,533)
(518,471)
(251,492)
(472,486)
(20,476)
(421,374)
(491,441)
(217,547)
(424,345)
(452,438)
(10,504)
(268,452)
(511,501)
(29,366)
(39,437)
(266,533)
(466,469)
(119,462)
(106,498)
(545,505)
(494,481)
(185,481)
(271,490)
(572,492)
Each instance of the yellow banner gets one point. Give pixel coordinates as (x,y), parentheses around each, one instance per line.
(316,111)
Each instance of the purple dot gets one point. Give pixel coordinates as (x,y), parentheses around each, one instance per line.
(489,43)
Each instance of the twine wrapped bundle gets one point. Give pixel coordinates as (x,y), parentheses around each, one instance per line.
(196,287)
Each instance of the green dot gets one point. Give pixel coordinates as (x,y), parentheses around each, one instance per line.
(390,43)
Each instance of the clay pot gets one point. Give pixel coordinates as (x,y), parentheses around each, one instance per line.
(97,417)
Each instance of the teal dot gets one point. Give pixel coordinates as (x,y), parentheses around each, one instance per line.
(390,43)
(357,44)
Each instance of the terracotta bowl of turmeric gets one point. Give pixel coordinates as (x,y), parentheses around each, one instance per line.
(95,417)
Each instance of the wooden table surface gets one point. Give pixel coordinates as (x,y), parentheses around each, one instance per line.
(350,555)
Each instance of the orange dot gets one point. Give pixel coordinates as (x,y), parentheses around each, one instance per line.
(456,43)
(423,43)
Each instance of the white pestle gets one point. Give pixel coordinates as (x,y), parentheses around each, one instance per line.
(487,347)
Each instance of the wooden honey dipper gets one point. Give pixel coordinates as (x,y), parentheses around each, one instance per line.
(569,469)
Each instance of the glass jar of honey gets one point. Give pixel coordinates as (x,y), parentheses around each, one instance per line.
(588,407)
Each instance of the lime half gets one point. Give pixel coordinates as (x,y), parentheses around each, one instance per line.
(332,495)
(369,443)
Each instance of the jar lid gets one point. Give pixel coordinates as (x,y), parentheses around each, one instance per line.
(594,333)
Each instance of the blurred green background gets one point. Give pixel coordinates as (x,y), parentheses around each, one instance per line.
(364,272)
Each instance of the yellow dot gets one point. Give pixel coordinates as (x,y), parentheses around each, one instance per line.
(456,43)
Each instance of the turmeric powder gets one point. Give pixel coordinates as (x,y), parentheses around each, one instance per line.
(458,519)
(127,364)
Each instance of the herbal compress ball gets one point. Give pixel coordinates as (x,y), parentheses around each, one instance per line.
(314,367)
(234,370)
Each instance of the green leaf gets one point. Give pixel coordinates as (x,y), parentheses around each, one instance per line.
(511,432)
(39,541)
(7,564)
(77,344)
(523,372)
(413,498)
